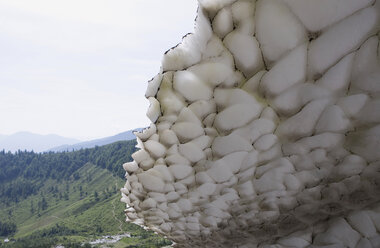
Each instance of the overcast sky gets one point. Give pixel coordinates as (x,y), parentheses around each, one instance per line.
(79,68)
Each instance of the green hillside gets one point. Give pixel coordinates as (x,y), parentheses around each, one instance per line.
(67,198)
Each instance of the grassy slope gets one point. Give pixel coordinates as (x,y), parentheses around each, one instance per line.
(84,216)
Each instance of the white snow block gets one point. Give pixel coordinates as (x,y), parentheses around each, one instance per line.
(227,97)
(171,103)
(243,16)
(186,115)
(191,151)
(224,145)
(155,148)
(366,69)
(265,142)
(213,73)
(251,86)
(293,99)
(303,123)
(130,166)
(222,22)
(236,116)
(362,223)
(165,172)
(213,6)
(365,143)
(289,70)
(340,232)
(332,119)
(186,131)
(191,86)
(246,52)
(370,113)
(329,48)
(151,182)
(317,15)
(203,108)
(153,86)
(168,137)
(338,77)
(220,171)
(351,105)
(206,189)
(277,29)
(181,171)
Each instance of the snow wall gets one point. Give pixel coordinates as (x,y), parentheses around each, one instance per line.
(265,129)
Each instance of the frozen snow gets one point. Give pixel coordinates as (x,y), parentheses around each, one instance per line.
(266,129)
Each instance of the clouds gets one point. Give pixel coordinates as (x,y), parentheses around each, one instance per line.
(79,68)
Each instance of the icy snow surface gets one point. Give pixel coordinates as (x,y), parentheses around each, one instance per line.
(265,129)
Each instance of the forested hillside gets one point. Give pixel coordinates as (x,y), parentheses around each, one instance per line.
(68,198)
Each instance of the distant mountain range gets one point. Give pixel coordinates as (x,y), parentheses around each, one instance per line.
(45,143)
(32,142)
(128,135)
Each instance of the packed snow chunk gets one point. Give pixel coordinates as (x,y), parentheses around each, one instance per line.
(271,176)
(202,142)
(224,145)
(215,48)
(365,143)
(151,182)
(155,148)
(234,160)
(171,103)
(140,156)
(191,151)
(186,131)
(222,22)
(362,223)
(351,165)
(289,70)
(176,158)
(191,86)
(329,47)
(338,77)
(181,171)
(339,232)
(246,52)
(168,137)
(185,205)
(332,119)
(148,204)
(317,15)
(303,123)
(203,108)
(352,105)
(153,86)
(164,170)
(213,6)
(146,133)
(227,97)
(366,70)
(186,115)
(212,73)
(293,99)
(236,116)
(246,190)
(252,84)
(370,113)
(243,16)
(277,29)
(219,171)
(265,142)
(131,166)
(207,189)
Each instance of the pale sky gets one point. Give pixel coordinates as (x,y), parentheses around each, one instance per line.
(79,68)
